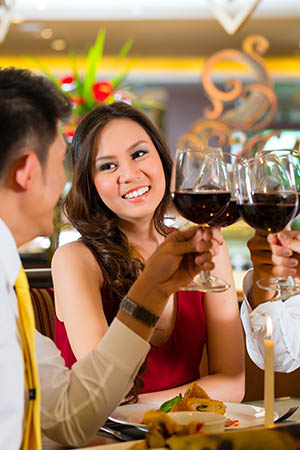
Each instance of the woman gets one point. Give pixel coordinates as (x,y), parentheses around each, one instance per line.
(118,201)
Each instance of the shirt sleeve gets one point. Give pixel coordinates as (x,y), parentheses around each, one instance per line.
(76,402)
(286,329)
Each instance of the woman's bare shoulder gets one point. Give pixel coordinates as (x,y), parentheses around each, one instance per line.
(75,254)
(72,249)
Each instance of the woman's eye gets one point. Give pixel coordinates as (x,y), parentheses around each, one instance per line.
(139,153)
(106,166)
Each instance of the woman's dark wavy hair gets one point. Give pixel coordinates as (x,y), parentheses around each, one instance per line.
(96,223)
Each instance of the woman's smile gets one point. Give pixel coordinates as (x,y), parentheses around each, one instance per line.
(137,194)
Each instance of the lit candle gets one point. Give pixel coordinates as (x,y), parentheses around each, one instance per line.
(269,374)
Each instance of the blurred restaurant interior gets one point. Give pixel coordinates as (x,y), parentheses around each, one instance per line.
(224,73)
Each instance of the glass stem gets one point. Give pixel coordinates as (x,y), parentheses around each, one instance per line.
(204,275)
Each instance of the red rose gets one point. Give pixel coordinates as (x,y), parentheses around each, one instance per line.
(102,90)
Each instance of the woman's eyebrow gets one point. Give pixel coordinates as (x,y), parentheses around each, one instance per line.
(101,158)
(135,144)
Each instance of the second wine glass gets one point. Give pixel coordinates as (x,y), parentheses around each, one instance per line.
(268,201)
(200,192)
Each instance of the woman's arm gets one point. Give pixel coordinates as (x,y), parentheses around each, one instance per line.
(225,341)
(77,280)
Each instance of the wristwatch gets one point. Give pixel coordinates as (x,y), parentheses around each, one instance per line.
(138,312)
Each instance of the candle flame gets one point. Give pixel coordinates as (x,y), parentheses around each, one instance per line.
(269,326)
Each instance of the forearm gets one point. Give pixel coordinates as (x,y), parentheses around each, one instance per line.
(145,294)
(75,403)
(256,294)
(229,388)
(218,387)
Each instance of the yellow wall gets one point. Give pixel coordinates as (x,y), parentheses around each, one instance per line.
(287,66)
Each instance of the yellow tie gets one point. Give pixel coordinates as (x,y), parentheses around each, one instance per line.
(32,436)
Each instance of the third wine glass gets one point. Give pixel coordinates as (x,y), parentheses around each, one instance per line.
(268,201)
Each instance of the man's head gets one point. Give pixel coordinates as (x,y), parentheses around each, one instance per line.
(32,150)
(30,108)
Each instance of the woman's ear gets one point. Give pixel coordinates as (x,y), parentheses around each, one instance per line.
(24,170)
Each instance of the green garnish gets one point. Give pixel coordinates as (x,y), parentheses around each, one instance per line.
(167,406)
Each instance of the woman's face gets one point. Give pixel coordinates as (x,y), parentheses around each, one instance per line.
(128,173)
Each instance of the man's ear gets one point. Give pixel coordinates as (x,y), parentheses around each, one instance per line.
(25,168)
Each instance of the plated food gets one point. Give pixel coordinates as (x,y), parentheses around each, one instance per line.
(194,413)
(196,399)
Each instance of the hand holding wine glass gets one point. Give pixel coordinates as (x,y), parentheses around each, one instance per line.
(285,247)
(268,201)
(200,191)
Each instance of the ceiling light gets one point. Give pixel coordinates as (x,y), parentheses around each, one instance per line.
(59,45)
(46,33)
(41,5)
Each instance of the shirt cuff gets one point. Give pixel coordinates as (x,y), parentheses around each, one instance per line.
(285,317)
(123,345)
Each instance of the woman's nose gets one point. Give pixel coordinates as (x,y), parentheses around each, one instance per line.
(129,173)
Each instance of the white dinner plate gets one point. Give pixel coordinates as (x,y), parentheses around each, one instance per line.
(247,415)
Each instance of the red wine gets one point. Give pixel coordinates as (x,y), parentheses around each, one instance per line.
(298,210)
(269,212)
(227,217)
(200,207)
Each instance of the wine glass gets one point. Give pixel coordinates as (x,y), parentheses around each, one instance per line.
(295,158)
(268,201)
(231,213)
(200,191)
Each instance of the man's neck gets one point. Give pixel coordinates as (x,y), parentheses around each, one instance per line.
(12,216)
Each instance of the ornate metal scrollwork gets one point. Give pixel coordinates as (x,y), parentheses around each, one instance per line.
(236,107)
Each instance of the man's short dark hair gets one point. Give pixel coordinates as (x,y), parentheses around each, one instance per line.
(30,108)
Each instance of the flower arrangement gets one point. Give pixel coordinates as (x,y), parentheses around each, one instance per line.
(85,91)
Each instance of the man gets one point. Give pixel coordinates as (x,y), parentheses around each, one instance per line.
(73,403)
(273,256)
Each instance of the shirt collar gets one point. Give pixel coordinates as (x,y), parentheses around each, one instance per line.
(10,261)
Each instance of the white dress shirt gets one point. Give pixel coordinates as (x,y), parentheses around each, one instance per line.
(74,403)
(286,329)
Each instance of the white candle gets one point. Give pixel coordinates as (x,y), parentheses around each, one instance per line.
(269,375)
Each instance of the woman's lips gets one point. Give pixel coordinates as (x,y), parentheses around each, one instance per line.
(137,194)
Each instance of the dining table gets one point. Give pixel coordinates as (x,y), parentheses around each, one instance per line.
(281,405)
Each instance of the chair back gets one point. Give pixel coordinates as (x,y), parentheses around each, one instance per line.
(43,307)
(42,296)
